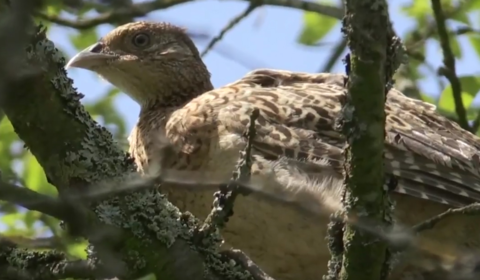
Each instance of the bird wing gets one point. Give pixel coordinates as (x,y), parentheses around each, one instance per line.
(431,156)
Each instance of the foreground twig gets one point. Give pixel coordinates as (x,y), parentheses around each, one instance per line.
(225,198)
(472,209)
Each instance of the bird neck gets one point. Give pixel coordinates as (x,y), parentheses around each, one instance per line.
(169,98)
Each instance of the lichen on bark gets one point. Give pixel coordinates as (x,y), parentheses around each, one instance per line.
(370,38)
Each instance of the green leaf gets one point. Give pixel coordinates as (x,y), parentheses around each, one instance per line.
(84,38)
(461,17)
(418,9)
(30,218)
(475,41)
(12,221)
(77,250)
(470,88)
(54,7)
(474,5)
(315,27)
(34,176)
(427,98)
(456,49)
(7,139)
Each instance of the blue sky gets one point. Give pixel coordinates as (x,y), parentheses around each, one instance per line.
(266,39)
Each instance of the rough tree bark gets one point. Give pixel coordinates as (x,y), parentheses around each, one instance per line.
(373,59)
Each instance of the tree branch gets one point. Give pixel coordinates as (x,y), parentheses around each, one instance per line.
(141,9)
(376,53)
(472,209)
(323,9)
(34,201)
(22,264)
(135,10)
(449,70)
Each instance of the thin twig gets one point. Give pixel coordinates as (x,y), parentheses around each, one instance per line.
(337,52)
(70,210)
(464,30)
(309,6)
(449,64)
(472,209)
(33,201)
(253,5)
(225,198)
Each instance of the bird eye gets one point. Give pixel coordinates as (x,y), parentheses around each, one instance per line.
(141,40)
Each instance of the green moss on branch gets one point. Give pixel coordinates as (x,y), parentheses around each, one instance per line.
(370,39)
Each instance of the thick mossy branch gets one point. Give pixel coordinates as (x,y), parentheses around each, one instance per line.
(46,113)
(371,41)
(77,154)
(24,264)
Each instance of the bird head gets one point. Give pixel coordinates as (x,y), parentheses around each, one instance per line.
(151,62)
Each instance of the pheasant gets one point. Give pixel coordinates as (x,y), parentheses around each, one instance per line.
(297,153)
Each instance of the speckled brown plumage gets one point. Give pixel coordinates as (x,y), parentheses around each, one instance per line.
(297,153)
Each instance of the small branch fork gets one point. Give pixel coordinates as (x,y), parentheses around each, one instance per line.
(224,202)
(225,197)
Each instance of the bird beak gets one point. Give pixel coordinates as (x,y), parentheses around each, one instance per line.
(89,58)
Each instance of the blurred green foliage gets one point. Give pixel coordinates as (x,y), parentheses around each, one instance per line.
(316,26)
